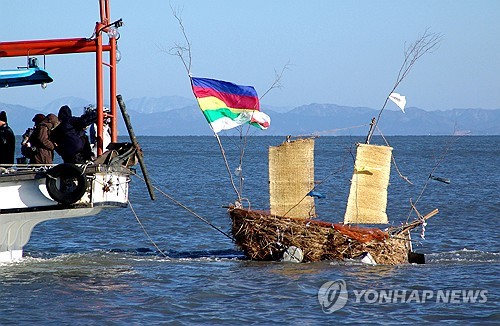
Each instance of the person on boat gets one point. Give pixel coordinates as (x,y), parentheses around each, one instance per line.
(40,140)
(7,141)
(27,148)
(106,133)
(70,137)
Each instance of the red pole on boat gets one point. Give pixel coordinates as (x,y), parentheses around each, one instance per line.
(104,11)
(104,27)
(99,87)
(112,91)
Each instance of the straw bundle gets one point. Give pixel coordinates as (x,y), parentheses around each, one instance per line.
(291,177)
(368,194)
(263,236)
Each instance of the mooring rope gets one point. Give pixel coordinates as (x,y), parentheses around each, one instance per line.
(342,168)
(405,178)
(186,208)
(424,187)
(144,229)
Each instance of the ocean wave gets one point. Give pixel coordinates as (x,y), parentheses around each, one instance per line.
(463,256)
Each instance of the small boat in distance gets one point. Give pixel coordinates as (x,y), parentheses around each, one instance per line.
(32,194)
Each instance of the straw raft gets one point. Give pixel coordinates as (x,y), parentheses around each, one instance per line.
(263,236)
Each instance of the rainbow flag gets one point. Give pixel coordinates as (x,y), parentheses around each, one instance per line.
(227,105)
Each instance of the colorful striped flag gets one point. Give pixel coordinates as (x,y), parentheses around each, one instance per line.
(227,105)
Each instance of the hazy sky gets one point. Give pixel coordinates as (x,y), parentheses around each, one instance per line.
(339,52)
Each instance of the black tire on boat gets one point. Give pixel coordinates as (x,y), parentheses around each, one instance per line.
(71,186)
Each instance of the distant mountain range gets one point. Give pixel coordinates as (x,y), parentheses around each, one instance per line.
(178,116)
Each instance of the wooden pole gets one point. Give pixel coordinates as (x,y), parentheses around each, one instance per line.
(140,157)
(370,132)
(418,222)
(227,167)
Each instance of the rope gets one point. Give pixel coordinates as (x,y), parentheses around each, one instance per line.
(34,165)
(405,178)
(318,184)
(241,145)
(187,209)
(138,220)
(317,133)
(440,160)
(144,229)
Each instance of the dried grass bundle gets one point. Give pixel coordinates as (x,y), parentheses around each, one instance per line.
(263,236)
(291,176)
(368,194)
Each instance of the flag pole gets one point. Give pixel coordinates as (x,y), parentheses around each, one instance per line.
(227,167)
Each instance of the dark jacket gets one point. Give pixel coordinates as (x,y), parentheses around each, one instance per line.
(40,139)
(68,136)
(7,145)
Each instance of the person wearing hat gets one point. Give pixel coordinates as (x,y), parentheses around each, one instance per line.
(40,139)
(72,142)
(7,141)
(27,149)
(38,118)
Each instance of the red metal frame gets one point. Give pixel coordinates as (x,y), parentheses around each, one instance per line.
(81,45)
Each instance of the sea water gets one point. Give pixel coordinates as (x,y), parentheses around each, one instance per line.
(163,264)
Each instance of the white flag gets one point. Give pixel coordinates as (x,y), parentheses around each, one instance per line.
(399,100)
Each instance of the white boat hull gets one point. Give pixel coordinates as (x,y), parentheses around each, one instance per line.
(25,201)
(15,228)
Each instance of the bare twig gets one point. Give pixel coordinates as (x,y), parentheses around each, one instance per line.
(277,79)
(183,51)
(425,43)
